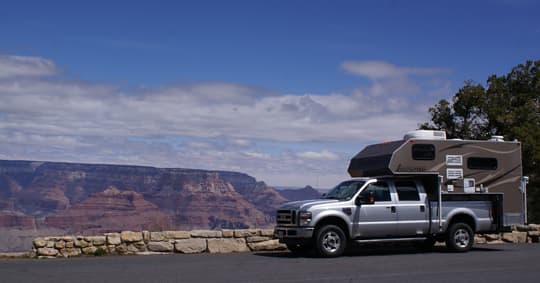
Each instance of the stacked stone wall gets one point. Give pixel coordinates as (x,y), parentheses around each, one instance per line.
(207,241)
(146,242)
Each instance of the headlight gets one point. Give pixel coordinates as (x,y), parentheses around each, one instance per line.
(304,217)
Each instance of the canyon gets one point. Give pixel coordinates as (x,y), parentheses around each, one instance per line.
(37,198)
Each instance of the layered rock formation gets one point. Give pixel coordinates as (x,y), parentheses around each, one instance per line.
(110,210)
(300,194)
(93,198)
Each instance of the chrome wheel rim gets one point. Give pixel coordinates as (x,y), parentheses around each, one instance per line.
(461,238)
(331,241)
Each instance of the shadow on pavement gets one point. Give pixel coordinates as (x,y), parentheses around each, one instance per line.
(373,250)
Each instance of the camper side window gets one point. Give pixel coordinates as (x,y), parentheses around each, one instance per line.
(423,152)
(482,163)
(407,191)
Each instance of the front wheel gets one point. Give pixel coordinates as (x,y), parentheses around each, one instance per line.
(460,237)
(330,241)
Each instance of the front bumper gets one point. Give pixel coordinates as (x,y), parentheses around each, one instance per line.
(282,232)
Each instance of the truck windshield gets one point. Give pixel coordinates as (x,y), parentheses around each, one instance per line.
(345,190)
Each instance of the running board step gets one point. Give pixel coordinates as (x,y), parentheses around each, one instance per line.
(391,240)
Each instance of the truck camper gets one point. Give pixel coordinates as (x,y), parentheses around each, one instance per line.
(467,166)
(421,189)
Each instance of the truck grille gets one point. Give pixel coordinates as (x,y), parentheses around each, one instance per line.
(286,217)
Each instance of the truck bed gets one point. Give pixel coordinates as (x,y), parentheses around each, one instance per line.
(486,207)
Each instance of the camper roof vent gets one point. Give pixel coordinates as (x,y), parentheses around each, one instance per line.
(425,135)
(497,138)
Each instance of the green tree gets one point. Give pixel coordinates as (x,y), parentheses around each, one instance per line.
(509,106)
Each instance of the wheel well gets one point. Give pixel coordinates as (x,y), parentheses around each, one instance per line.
(463,218)
(334,220)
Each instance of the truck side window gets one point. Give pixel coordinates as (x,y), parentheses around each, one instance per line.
(379,191)
(407,191)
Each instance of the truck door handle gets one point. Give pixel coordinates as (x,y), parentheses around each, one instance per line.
(392,209)
(422,208)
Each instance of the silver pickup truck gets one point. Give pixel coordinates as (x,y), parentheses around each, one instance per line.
(387,209)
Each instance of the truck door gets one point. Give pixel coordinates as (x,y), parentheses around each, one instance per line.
(411,208)
(378,219)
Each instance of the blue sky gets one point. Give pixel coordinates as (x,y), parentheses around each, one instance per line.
(286,91)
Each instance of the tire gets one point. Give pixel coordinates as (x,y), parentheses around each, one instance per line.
(460,237)
(330,241)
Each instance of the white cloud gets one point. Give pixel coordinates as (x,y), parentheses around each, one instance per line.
(217,122)
(200,145)
(20,66)
(376,70)
(322,155)
(258,155)
(240,142)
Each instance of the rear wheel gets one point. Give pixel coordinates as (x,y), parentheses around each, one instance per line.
(330,241)
(460,237)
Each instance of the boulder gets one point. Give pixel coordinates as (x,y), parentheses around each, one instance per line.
(267,232)
(111,249)
(173,235)
(60,244)
(227,245)
(523,228)
(132,248)
(492,237)
(47,252)
(246,233)
(206,234)
(156,236)
(256,239)
(227,233)
(521,237)
(141,246)
(89,250)
(40,242)
(97,240)
(478,239)
(113,238)
(515,237)
(68,239)
(69,252)
(160,246)
(270,245)
(130,237)
(535,227)
(534,236)
(119,249)
(190,246)
(81,243)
